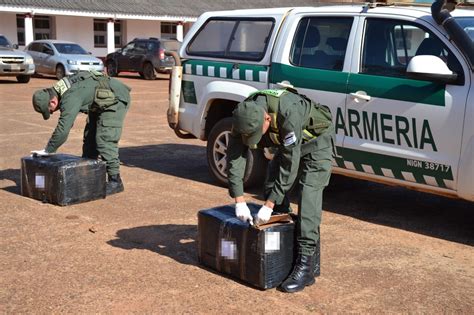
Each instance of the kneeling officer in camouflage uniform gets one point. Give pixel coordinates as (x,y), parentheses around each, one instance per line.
(302,133)
(105,100)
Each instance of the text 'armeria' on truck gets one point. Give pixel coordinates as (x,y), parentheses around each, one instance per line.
(397,78)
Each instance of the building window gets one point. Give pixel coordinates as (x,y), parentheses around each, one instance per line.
(20,29)
(100,33)
(42,28)
(168,30)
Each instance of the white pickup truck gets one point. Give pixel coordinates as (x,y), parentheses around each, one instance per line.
(398,80)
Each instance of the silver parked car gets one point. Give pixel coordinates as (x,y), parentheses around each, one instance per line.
(14,62)
(61,58)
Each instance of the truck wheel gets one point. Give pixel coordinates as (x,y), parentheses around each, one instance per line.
(23,78)
(149,71)
(216,156)
(60,72)
(112,69)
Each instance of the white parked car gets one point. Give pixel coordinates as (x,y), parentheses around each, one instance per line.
(14,62)
(398,80)
(61,58)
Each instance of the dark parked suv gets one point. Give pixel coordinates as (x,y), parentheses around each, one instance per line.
(142,55)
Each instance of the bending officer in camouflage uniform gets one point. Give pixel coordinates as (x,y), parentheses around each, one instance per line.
(302,133)
(105,100)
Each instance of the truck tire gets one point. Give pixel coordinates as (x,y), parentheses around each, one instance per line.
(149,71)
(23,78)
(112,69)
(216,156)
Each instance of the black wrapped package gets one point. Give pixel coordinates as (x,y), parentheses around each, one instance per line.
(262,256)
(62,179)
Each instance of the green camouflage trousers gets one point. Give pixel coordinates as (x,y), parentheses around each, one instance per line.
(314,175)
(102,134)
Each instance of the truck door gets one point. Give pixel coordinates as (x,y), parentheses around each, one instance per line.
(48,62)
(137,56)
(396,127)
(41,55)
(317,64)
(124,57)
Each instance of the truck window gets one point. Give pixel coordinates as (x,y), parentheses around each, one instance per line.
(4,42)
(47,49)
(245,39)
(35,47)
(321,43)
(129,48)
(467,23)
(389,46)
(140,47)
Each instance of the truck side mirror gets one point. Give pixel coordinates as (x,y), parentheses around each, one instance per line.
(15,46)
(430,68)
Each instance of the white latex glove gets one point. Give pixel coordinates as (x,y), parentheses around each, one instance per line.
(263,215)
(40,153)
(242,212)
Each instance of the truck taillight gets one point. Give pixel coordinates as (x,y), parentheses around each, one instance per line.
(161,53)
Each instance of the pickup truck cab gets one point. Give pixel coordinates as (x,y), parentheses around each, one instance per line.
(398,80)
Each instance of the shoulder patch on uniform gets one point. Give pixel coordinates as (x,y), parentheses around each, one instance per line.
(290,138)
(276,93)
(62,86)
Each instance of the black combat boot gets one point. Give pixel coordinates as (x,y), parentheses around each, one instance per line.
(317,259)
(301,276)
(114,185)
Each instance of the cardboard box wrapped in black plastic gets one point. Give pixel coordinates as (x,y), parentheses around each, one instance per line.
(62,179)
(262,256)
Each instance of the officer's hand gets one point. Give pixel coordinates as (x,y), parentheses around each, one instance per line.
(40,153)
(242,212)
(263,215)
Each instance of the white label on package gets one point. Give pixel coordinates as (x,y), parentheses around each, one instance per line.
(228,249)
(39,181)
(272,242)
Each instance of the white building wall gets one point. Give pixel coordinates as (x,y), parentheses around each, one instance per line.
(79,30)
(8,26)
(140,28)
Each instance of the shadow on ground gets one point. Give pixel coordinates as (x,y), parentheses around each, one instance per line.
(401,208)
(172,240)
(14,176)
(45,77)
(175,241)
(397,207)
(160,76)
(13,80)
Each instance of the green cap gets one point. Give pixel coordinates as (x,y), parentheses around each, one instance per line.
(248,121)
(41,100)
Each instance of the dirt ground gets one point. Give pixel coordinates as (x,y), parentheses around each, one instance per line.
(384,249)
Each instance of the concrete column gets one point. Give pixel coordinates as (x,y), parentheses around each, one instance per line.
(28,29)
(110,36)
(179,31)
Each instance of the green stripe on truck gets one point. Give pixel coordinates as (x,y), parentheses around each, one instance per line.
(224,70)
(376,86)
(401,168)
